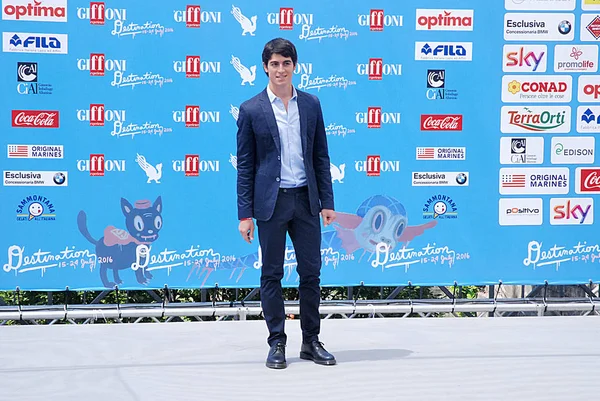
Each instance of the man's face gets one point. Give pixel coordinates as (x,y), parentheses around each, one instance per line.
(280,70)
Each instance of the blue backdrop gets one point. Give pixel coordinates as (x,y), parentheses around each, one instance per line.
(461,140)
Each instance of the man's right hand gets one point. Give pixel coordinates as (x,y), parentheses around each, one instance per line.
(246,228)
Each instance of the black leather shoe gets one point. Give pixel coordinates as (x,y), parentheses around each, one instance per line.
(315,352)
(276,357)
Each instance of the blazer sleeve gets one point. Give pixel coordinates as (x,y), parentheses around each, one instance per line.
(246,153)
(322,163)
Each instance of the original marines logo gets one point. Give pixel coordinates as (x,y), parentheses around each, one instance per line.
(440,207)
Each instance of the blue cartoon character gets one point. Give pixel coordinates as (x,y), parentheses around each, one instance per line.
(379,219)
(121,249)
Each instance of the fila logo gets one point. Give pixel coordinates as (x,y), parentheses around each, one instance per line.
(96,165)
(192,163)
(97,12)
(97,64)
(192,114)
(192,66)
(192,16)
(373,166)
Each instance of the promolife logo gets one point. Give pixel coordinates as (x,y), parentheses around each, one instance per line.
(35,178)
(97,165)
(571,211)
(440,207)
(444,20)
(589,28)
(588,89)
(580,58)
(549,5)
(27,80)
(573,150)
(588,120)
(521,150)
(36,208)
(444,51)
(527,88)
(192,116)
(440,179)
(520,212)
(33,10)
(375,117)
(23,42)
(35,151)
(436,86)
(525,58)
(535,119)
(441,122)
(536,26)
(534,180)
(194,16)
(377,20)
(587,180)
(286,18)
(374,166)
(97,64)
(35,119)
(441,153)
(192,166)
(376,69)
(194,67)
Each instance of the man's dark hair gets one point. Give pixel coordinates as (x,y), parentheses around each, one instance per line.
(279,46)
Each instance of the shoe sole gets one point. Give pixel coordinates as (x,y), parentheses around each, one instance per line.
(274,365)
(308,357)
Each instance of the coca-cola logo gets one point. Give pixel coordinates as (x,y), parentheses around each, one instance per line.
(441,122)
(34,119)
(590,180)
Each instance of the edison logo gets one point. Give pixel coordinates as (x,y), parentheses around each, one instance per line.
(572,211)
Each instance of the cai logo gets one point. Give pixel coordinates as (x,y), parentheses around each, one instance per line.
(436,86)
(28,80)
(440,207)
(525,58)
(36,208)
(571,211)
(528,150)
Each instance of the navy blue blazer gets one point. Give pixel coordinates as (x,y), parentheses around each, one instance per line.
(259,156)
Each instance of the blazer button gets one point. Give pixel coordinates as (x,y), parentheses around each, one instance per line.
(277,179)
(278,157)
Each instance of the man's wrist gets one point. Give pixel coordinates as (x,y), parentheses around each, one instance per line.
(246,218)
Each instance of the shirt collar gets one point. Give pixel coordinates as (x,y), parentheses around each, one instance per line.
(273,97)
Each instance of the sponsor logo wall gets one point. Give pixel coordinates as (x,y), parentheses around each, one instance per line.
(119,123)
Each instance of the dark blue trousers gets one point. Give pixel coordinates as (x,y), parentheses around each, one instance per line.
(291,216)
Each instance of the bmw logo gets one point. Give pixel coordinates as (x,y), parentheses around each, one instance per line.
(59,178)
(564,27)
(461,178)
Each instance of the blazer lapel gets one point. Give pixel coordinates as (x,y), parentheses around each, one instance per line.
(303,121)
(270,117)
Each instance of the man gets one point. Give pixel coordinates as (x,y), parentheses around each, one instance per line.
(284,182)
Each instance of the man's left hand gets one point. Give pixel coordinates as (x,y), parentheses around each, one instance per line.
(328,216)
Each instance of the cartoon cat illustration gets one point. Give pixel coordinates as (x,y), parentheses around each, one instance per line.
(117,249)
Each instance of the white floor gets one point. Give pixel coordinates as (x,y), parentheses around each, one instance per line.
(538,358)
